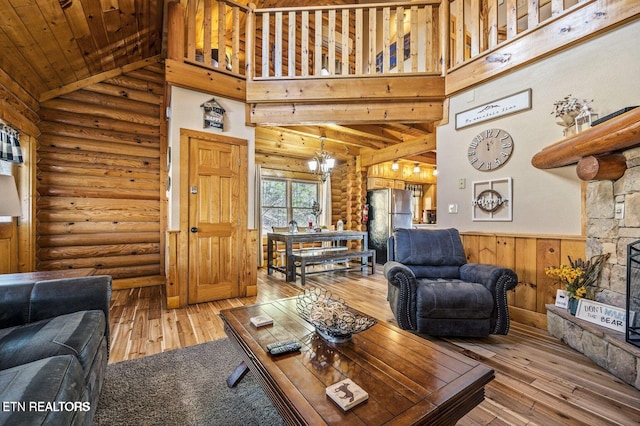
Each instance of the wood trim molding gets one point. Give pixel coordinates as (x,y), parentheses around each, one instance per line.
(205,80)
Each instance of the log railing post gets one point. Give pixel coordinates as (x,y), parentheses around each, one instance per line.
(175,31)
(250,37)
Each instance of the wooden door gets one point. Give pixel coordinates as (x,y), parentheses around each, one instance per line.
(217,215)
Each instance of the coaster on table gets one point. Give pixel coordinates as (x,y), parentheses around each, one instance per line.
(261,320)
(346,394)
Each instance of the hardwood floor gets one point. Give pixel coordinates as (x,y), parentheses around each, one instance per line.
(539,380)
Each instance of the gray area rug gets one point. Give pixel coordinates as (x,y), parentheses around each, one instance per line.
(183,387)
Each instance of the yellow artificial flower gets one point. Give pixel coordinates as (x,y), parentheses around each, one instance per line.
(579,277)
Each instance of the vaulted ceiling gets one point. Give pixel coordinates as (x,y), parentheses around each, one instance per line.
(49,44)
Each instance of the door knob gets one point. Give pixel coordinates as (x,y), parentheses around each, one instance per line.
(194,229)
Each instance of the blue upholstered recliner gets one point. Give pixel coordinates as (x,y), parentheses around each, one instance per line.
(433,290)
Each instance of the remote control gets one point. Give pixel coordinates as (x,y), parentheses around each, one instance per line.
(293,347)
(279,344)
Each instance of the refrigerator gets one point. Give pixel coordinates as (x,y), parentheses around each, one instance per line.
(389,209)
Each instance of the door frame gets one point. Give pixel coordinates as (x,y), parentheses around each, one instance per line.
(183,238)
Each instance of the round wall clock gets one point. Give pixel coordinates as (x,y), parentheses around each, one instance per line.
(490,149)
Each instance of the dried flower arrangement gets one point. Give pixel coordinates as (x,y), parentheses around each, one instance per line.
(569,108)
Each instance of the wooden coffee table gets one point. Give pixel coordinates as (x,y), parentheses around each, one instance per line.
(410,380)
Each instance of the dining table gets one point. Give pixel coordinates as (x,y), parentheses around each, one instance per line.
(291,239)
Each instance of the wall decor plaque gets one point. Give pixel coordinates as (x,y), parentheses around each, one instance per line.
(504,106)
(213,116)
(492,200)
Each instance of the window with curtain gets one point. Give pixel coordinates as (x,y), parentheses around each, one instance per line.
(10,144)
(284,200)
(5,169)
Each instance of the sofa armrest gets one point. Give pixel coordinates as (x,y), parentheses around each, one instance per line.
(53,298)
(401,294)
(498,280)
(14,303)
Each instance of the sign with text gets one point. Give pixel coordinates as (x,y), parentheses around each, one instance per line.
(494,109)
(601,314)
(562,299)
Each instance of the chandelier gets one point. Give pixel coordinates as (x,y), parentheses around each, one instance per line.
(322,164)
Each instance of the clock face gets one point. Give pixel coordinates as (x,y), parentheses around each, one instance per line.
(490,149)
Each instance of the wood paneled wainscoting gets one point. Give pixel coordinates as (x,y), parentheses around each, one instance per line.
(528,256)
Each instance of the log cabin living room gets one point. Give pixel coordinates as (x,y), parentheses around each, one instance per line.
(450,237)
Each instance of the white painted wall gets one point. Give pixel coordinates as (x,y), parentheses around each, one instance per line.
(605,69)
(187,114)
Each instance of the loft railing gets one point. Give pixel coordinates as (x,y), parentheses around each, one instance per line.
(347,41)
(360,40)
(476,30)
(212,34)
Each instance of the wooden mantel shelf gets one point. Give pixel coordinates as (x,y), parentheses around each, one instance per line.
(615,135)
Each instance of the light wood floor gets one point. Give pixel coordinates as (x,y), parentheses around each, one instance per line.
(539,380)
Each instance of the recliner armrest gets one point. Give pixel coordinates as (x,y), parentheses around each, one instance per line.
(392,268)
(498,280)
(402,294)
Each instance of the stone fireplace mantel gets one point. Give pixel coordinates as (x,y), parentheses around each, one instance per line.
(604,346)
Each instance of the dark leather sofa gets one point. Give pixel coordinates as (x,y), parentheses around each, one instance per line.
(433,290)
(54,347)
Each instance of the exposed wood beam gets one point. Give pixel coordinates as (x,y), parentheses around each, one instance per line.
(427,158)
(98,78)
(370,131)
(331,134)
(287,144)
(346,113)
(415,146)
(374,131)
(350,89)
(204,80)
(279,162)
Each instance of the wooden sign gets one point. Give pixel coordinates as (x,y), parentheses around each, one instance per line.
(601,314)
(494,109)
(213,114)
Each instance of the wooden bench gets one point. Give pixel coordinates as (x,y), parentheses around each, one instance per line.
(319,257)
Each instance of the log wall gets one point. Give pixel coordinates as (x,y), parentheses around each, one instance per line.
(99,179)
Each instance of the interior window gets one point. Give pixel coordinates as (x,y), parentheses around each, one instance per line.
(284,200)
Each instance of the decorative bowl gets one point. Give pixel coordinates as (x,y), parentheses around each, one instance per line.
(333,319)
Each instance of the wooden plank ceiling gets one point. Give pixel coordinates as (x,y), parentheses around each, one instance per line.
(49,44)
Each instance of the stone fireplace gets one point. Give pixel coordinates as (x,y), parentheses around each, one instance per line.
(606,233)
(613,222)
